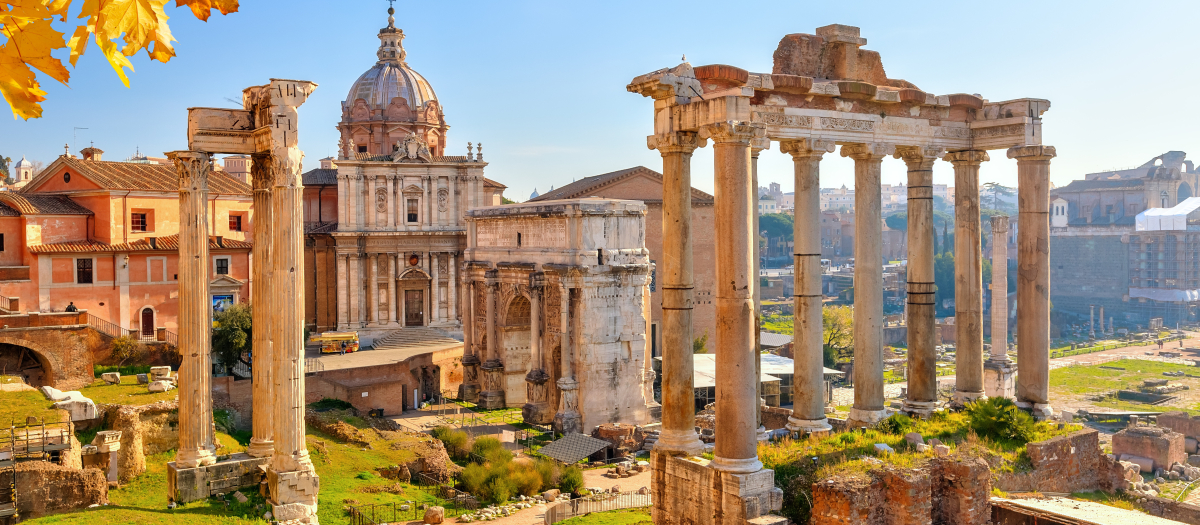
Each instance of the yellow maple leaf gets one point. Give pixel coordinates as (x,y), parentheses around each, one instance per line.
(134,21)
(203,8)
(31,39)
(20,88)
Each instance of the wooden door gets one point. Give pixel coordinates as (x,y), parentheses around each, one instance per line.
(414,307)
(147,322)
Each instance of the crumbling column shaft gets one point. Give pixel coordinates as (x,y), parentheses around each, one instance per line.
(868,282)
(968,276)
(1033,276)
(921,320)
(196,447)
(678,397)
(737,399)
(261,443)
(808,383)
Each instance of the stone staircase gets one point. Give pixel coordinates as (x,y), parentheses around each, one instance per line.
(651,439)
(413,337)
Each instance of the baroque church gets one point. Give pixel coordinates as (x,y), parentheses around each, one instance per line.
(384,220)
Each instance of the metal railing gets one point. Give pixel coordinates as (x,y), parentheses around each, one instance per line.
(599,503)
(452,501)
(114,330)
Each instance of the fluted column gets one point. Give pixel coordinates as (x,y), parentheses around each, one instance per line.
(1033,277)
(196,447)
(737,401)
(353,184)
(493,369)
(343,291)
(391,289)
(808,359)
(921,319)
(371,204)
(261,443)
(390,180)
(868,282)
(373,288)
(568,420)
(537,406)
(678,395)
(343,198)
(1000,288)
(968,277)
(757,145)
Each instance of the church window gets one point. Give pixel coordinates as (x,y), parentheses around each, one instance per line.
(412,210)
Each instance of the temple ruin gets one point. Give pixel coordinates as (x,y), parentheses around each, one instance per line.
(825,91)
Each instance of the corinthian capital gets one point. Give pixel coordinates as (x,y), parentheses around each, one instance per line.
(286,168)
(262,177)
(919,158)
(1034,153)
(805,148)
(193,168)
(675,142)
(733,131)
(971,157)
(868,151)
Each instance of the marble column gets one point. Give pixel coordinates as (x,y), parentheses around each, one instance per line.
(390,180)
(435,288)
(391,289)
(1000,288)
(920,313)
(471,361)
(355,290)
(537,406)
(373,288)
(568,420)
(452,289)
(968,277)
(678,395)
(343,196)
(1102,330)
(1033,277)
(737,401)
(757,145)
(868,406)
(808,359)
(1091,317)
(196,446)
(493,369)
(343,289)
(261,298)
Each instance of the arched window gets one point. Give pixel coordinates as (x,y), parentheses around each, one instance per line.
(1163,197)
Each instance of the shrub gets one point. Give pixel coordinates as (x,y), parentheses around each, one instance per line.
(526,479)
(571,480)
(896,424)
(474,478)
(548,470)
(330,404)
(457,442)
(487,447)
(128,347)
(499,490)
(999,418)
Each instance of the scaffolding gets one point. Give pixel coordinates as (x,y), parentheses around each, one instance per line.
(35,440)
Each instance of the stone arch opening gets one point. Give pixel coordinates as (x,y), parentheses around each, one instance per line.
(26,363)
(1185,192)
(516,348)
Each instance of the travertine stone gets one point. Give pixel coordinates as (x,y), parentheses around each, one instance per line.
(1033,277)
(568,420)
(808,383)
(968,276)
(262,444)
(196,447)
(493,368)
(868,282)
(691,491)
(537,407)
(921,321)
(678,398)
(737,399)
(999,372)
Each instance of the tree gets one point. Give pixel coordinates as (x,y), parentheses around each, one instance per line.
(700,344)
(4,172)
(776,226)
(30,38)
(998,190)
(943,276)
(232,334)
(897,221)
(837,331)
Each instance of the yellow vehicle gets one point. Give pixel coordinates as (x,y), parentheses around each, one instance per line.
(337,342)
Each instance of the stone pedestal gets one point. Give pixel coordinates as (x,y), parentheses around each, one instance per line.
(568,420)
(492,396)
(688,490)
(185,485)
(469,390)
(999,379)
(537,410)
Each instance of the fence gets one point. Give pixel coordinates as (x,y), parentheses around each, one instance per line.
(576,507)
(114,330)
(453,503)
(1067,352)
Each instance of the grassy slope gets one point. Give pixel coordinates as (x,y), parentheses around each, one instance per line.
(612,517)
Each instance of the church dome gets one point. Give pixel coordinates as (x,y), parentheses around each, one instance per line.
(391,77)
(24,163)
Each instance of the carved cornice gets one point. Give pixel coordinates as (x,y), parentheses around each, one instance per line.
(675,142)
(193,168)
(805,148)
(919,158)
(1032,153)
(868,151)
(971,157)
(733,132)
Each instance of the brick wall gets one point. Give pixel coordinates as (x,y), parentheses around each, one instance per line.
(961,489)
(1071,463)
(1172,510)
(1180,422)
(950,491)
(1162,445)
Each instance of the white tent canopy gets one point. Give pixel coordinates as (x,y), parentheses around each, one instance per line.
(704,369)
(1167,219)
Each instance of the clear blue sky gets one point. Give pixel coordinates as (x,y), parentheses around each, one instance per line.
(542,83)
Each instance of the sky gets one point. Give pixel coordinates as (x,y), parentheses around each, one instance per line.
(542,83)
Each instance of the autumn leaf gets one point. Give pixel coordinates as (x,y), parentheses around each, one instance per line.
(203,8)
(20,88)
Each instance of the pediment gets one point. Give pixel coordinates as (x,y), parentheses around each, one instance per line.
(415,274)
(413,188)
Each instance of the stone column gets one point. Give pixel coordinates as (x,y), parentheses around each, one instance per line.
(998,371)
(537,407)
(678,396)
(391,289)
(1102,331)
(354,290)
(343,196)
(493,369)
(968,277)
(391,202)
(352,194)
(808,360)
(452,289)
(435,297)
(471,361)
(568,420)
(373,288)
(429,196)
(1033,277)
(1091,316)
(196,447)
(261,443)
(921,320)
(757,145)
(370,206)
(868,282)
(343,289)
(737,401)
(454,184)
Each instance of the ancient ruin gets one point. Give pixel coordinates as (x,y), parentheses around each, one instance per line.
(558,306)
(826,91)
(266,128)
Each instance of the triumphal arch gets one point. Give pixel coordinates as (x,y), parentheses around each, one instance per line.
(826,91)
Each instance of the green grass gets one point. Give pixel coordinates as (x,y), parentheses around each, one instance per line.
(612,517)
(131,370)
(1120,501)
(1093,379)
(19,405)
(126,393)
(778,323)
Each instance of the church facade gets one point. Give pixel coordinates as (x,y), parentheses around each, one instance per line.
(392,241)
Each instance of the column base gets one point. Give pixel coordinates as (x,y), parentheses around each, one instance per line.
(683,493)
(736,466)
(261,448)
(961,398)
(761,434)
(492,399)
(683,442)
(469,392)
(1040,411)
(920,409)
(195,458)
(537,413)
(999,378)
(185,485)
(816,427)
(568,423)
(293,496)
(868,418)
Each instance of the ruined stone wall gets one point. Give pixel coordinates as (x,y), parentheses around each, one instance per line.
(1159,444)
(906,497)
(688,492)
(64,352)
(949,491)
(848,500)
(1171,509)
(1070,463)
(961,489)
(775,417)
(1181,422)
(145,430)
(45,488)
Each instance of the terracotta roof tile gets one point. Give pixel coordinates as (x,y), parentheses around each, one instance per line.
(584,187)
(147,177)
(319,177)
(37,204)
(6,211)
(169,243)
